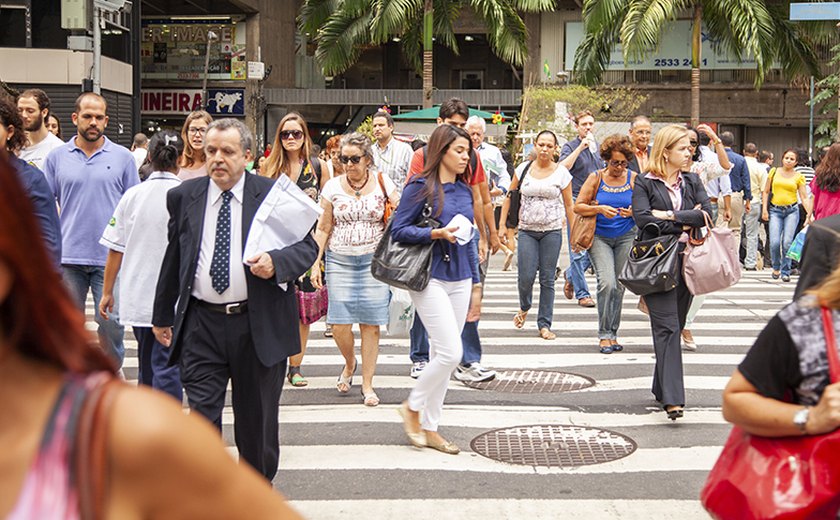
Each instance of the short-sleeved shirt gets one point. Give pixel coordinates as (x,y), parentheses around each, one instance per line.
(43,205)
(358,222)
(393,161)
(36,155)
(758,176)
(541,207)
(788,360)
(785,189)
(138,229)
(88,190)
(586,163)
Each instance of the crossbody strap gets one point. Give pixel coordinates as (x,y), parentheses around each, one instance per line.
(831,345)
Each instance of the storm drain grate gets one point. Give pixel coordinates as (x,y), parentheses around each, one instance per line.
(553,446)
(534,382)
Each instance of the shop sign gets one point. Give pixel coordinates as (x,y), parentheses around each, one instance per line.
(177,49)
(225,102)
(170,101)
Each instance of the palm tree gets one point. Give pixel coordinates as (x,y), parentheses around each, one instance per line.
(342,29)
(755,28)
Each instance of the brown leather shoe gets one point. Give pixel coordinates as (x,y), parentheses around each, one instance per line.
(568,290)
(586,302)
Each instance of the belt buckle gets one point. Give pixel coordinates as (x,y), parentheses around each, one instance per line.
(233,308)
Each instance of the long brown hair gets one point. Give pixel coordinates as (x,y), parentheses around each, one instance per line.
(191,155)
(278,160)
(828,171)
(439,143)
(38,318)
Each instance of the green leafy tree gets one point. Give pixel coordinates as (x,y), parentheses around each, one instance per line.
(758,29)
(825,103)
(342,29)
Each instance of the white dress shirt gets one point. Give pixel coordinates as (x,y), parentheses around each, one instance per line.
(203,289)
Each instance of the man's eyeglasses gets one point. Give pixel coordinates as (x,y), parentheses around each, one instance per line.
(618,164)
(347,159)
(197,131)
(291,134)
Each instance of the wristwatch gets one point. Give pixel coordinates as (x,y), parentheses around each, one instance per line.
(800,419)
(670,214)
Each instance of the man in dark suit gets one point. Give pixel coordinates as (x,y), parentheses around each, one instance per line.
(820,254)
(640,134)
(232,322)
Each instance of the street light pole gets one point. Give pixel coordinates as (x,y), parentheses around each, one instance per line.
(210,37)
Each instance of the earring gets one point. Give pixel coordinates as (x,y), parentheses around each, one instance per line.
(666,158)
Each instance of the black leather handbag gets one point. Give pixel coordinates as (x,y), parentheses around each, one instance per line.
(652,265)
(515,198)
(402,265)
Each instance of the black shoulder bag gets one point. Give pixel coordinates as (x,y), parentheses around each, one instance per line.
(402,265)
(514,196)
(652,265)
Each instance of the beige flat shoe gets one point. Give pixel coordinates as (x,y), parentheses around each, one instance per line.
(417,439)
(450,448)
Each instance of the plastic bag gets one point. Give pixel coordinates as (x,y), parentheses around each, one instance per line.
(795,251)
(400,312)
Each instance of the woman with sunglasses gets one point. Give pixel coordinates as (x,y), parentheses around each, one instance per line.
(608,194)
(714,174)
(291,155)
(349,229)
(545,205)
(193,159)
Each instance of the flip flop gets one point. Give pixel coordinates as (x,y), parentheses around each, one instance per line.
(519,319)
(296,378)
(346,381)
(370,398)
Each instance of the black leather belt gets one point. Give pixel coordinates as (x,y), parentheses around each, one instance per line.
(223,308)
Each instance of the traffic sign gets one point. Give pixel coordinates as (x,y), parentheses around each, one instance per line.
(812,11)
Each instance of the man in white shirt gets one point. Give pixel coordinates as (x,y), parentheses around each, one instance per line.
(140,148)
(34,106)
(391,157)
(758,176)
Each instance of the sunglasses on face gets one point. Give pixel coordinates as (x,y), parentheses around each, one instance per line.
(347,159)
(291,134)
(618,164)
(693,143)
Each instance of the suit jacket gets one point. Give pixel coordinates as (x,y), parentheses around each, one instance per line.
(272,312)
(820,254)
(650,194)
(633,165)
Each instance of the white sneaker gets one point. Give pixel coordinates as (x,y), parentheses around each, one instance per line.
(416,368)
(474,373)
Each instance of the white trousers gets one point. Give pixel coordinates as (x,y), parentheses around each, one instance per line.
(443,308)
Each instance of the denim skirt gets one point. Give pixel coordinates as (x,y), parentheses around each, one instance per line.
(354,295)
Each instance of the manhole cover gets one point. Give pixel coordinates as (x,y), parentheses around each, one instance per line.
(553,446)
(534,382)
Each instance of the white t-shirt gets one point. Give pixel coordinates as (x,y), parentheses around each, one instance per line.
(35,155)
(139,156)
(138,229)
(357,222)
(541,207)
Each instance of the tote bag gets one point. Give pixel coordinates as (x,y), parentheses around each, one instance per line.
(652,265)
(583,228)
(402,265)
(711,263)
(787,478)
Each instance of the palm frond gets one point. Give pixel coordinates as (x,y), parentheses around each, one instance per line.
(412,47)
(794,51)
(506,32)
(315,13)
(641,28)
(341,40)
(600,15)
(743,28)
(391,17)
(534,6)
(446,13)
(593,54)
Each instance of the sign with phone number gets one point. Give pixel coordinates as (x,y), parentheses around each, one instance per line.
(674,52)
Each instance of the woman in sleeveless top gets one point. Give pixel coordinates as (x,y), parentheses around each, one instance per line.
(161,462)
(608,194)
(291,155)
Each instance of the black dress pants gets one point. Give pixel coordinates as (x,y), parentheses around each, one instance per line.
(667,318)
(217,348)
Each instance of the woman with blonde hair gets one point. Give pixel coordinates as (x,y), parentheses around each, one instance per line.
(291,155)
(192,133)
(668,200)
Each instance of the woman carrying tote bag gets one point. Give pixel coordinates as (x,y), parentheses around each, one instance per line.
(673,200)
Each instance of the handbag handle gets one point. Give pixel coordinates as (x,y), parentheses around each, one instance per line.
(695,235)
(831,345)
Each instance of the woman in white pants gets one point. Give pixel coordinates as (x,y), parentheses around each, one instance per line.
(454,288)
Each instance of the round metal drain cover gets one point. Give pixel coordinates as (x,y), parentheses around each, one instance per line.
(553,446)
(534,382)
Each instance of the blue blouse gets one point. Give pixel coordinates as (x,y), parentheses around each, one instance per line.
(463,259)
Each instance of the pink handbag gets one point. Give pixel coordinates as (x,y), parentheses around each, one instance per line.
(312,306)
(711,263)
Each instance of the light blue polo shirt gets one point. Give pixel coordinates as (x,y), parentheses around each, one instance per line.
(88,190)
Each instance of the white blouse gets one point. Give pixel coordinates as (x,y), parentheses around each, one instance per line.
(357,222)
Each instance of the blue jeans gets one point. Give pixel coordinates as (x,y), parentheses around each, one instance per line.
(579,263)
(783,222)
(80,279)
(419,338)
(154,364)
(538,250)
(609,256)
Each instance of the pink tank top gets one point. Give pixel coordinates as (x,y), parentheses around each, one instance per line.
(49,491)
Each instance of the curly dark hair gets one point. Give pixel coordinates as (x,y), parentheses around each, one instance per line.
(617,143)
(827,174)
(9,117)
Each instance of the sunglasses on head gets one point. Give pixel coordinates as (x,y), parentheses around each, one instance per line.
(291,134)
(347,159)
(618,164)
